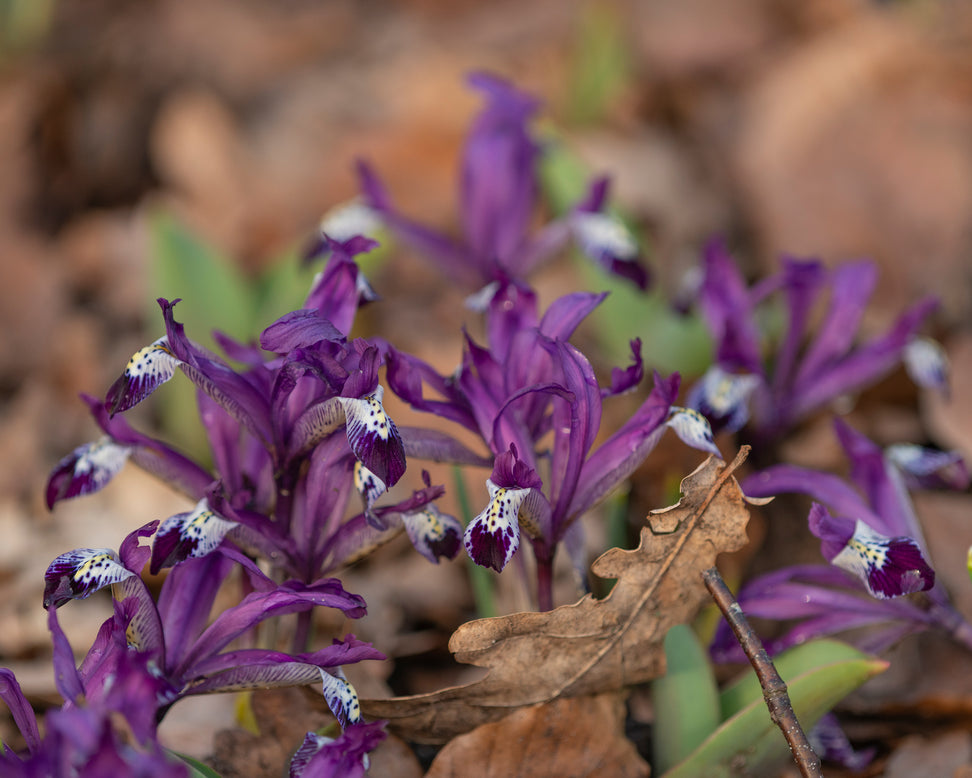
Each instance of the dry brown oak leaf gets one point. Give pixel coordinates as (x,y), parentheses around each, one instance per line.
(592,646)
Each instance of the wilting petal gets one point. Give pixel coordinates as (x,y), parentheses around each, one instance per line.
(723,397)
(605,239)
(145,372)
(373,437)
(86,469)
(926,363)
(693,429)
(929,468)
(889,567)
(433,533)
(188,535)
(80,573)
(494,535)
(341,698)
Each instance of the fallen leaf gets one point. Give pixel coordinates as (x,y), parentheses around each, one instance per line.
(592,646)
(582,736)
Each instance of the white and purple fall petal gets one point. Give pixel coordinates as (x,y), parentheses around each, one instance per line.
(187,535)
(493,536)
(373,436)
(341,698)
(889,567)
(723,397)
(926,363)
(146,371)
(692,428)
(433,533)
(80,573)
(86,469)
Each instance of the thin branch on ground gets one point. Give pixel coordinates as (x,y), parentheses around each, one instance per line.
(774,689)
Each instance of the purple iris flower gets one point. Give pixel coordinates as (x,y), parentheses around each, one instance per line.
(291,433)
(872,539)
(534,401)
(809,368)
(498,195)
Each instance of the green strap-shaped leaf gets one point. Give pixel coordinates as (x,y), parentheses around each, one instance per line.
(749,743)
(686,699)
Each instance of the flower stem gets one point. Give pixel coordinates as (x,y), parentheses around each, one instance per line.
(774,689)
(544,584)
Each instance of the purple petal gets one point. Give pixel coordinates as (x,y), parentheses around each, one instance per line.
(188,535)
(567,312)
(727,308)
(822,487)
(66,676)
(298,329)
(342,757)
(830,742)
(834,531)
(626,379)
(433,533)
(145,372)
(80,573)
(498,180)
(86,469)
(436,446)
(890,567)
(20,709)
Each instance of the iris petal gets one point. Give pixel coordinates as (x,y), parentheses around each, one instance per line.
(188,535)
(723,397)
(929,468)
(494,535)
(341,698)
(369,486)
(373,437)
(80,573)
(889,567)
(145,372)
(607,241)
(692,428)
(926,363)
(86,469)
(433,533)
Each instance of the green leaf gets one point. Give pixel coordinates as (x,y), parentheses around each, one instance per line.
(749,743)
(685,699)
(196,768)
(601,67)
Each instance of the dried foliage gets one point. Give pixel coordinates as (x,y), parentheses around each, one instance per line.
(592,646)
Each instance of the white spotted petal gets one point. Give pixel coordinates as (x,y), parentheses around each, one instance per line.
(86,469)
(341,698)
(692,428)
(188,535)
(146,371)
(80,573)
(493,536)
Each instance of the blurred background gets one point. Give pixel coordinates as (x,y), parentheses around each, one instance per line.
(188,149)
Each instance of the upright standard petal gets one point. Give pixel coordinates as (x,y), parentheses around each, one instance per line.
(145,372)
(188,535)
(86,469)
(80,573)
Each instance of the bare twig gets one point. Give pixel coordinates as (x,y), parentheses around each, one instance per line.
(774,689)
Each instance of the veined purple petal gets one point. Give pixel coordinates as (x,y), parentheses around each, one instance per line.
(626,379)
(890,567)
(692,429)
(433,533)
(20,709)
(493,536)
(605,239)
(926,363)
(188,535)
(298,329)
(435,446)
(723,397)
(342,757)
(86,469)
(928,468)
(145,372)
(826,488)
(341,698)
(80,573)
